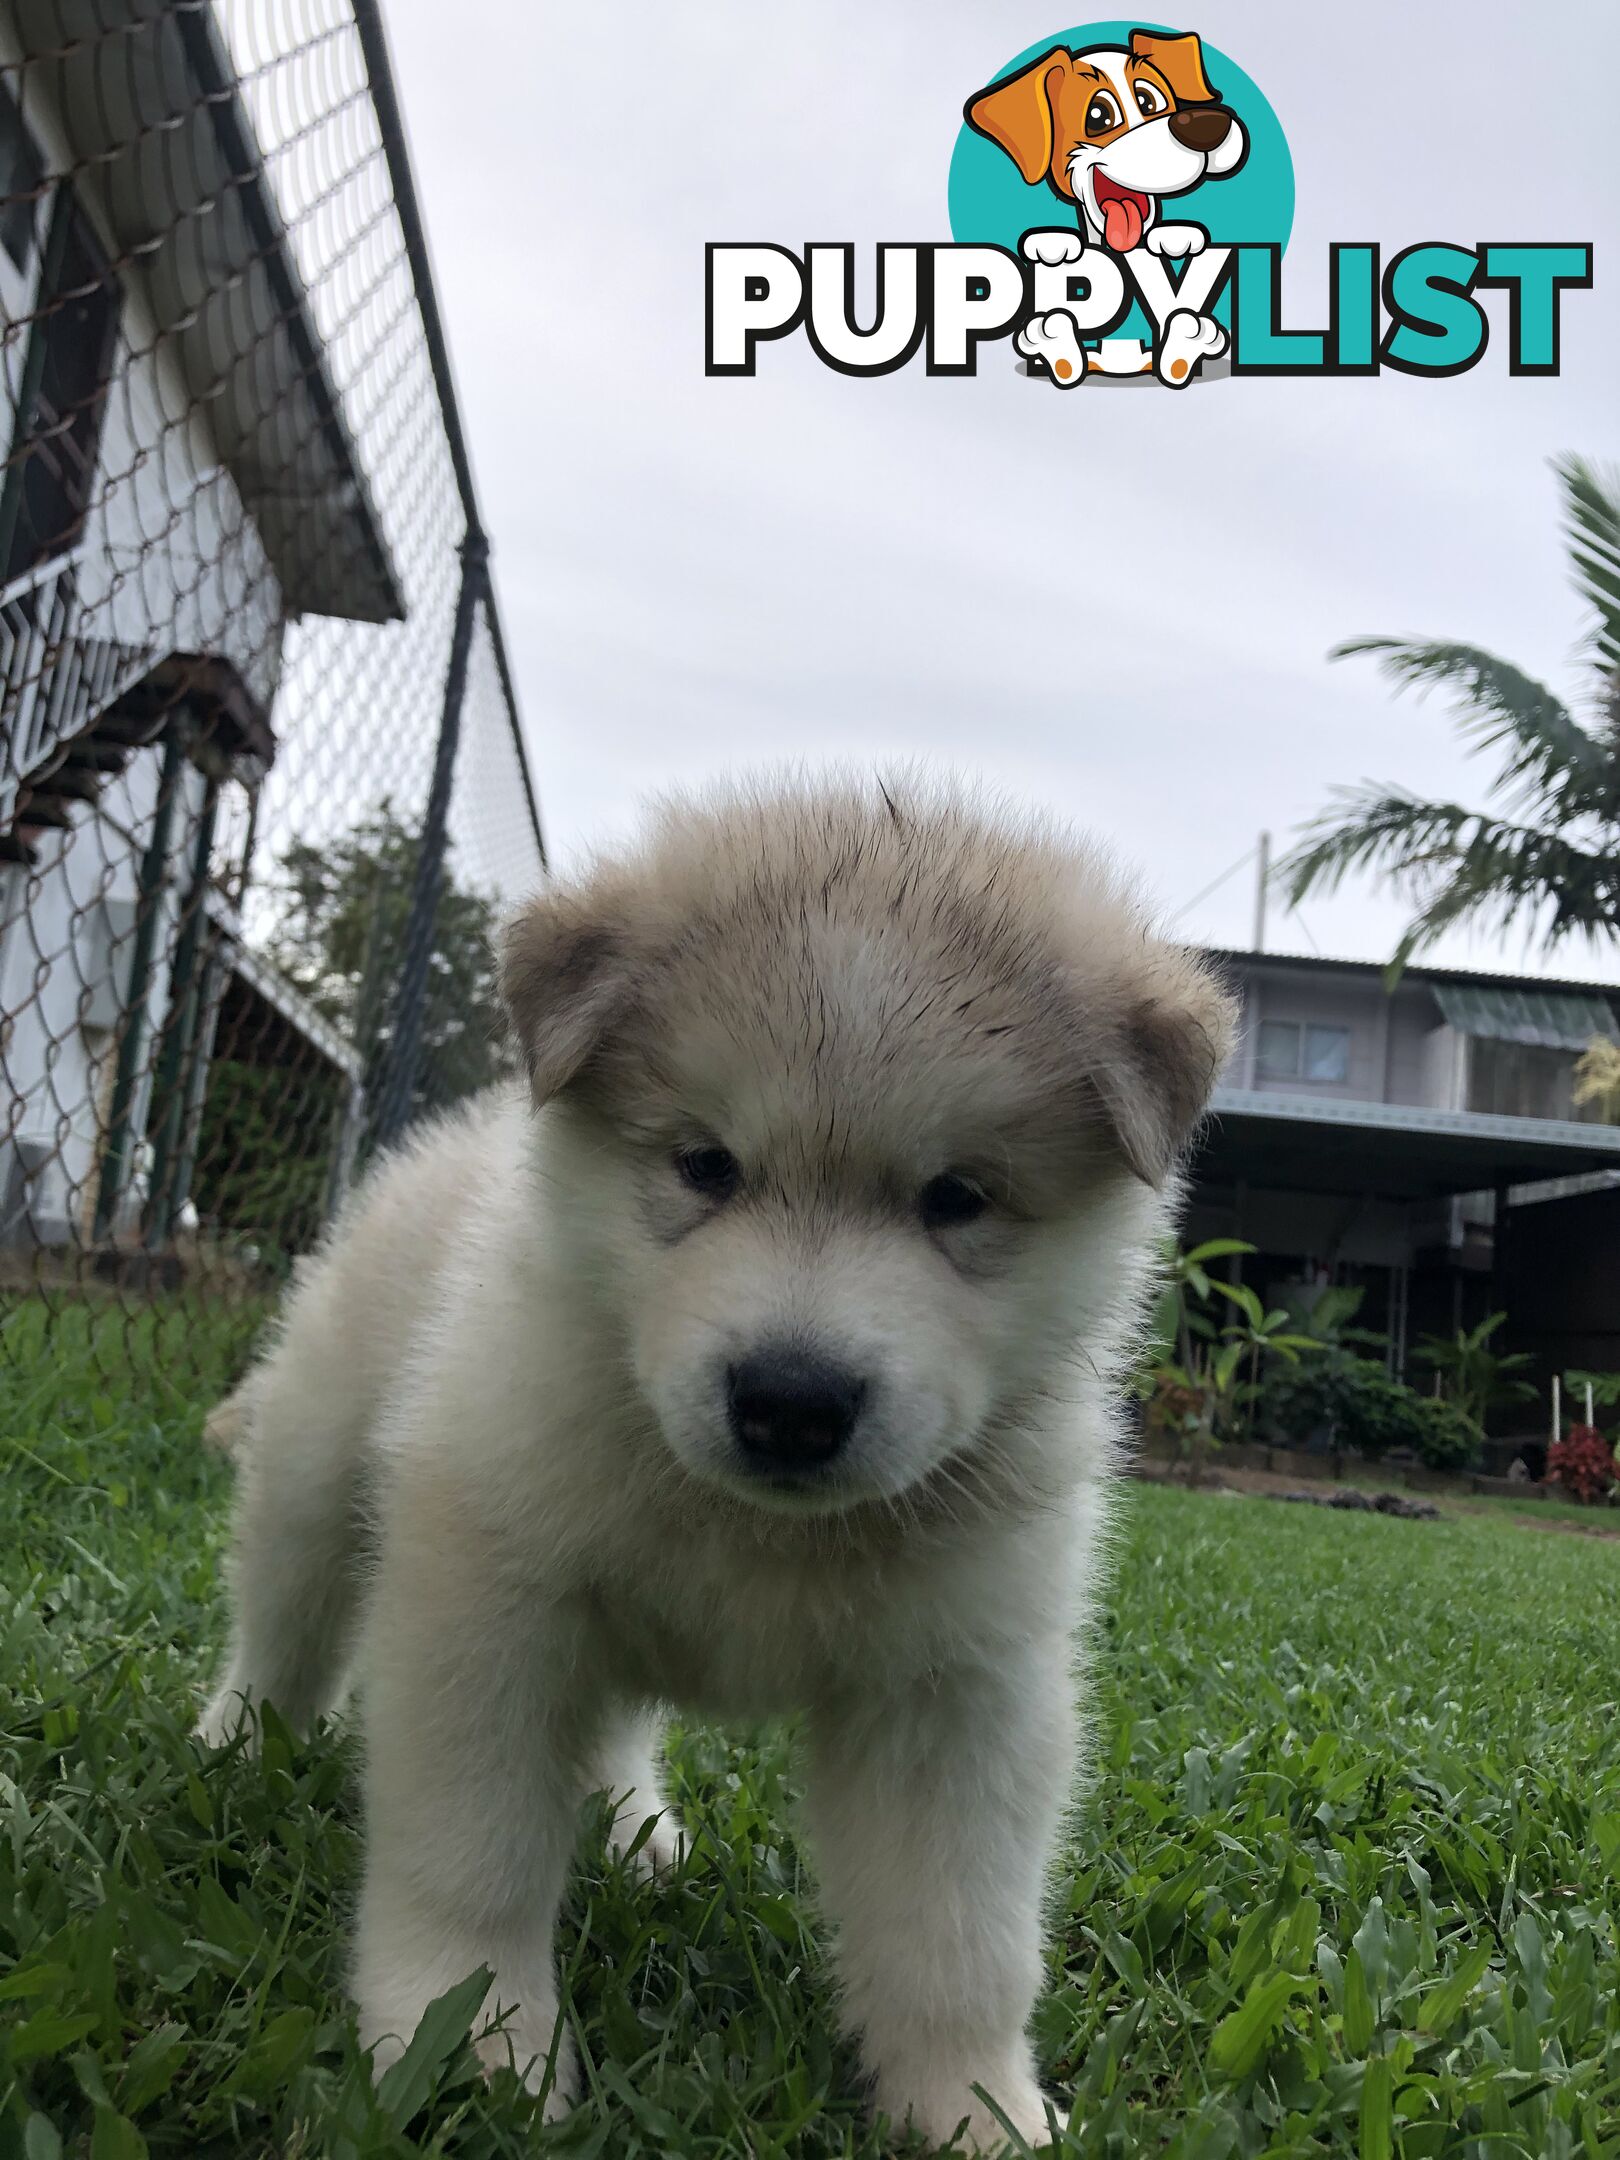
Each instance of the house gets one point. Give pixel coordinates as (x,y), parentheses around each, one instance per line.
(179,483)
(1423,1143)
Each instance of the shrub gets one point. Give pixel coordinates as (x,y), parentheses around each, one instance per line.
(1444,1438)
(1354,1398)
(1584,1465)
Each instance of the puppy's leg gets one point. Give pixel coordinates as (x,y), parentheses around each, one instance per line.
(934,1814)
(627,1766)
(479,1728)
(296,1559)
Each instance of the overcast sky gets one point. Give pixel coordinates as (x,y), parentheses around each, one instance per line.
(1116,604)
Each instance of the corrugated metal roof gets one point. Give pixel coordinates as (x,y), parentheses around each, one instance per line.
(1547,1019)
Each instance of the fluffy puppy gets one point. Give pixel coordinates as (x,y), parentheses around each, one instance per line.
(757,1358)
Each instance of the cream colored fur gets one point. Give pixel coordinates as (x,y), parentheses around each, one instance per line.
(487,1463)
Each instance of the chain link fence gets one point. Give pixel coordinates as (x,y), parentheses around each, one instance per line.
(263,789)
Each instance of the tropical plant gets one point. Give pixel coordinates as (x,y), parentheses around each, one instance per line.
(1605,1387)
(1258,1333)
(1475,1378)
(1325,1316)
(1550,841)
(1597,1079)
(1193,1380)
(1186,1287)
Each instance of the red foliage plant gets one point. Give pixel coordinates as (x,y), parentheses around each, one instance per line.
(1583,1464)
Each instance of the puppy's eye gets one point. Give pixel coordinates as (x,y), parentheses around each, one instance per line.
(948,1201)
(1150,99)
(710,1170)
(1102,114)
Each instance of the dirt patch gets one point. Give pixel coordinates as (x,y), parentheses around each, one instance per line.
(1608,1533)
(1274,1484)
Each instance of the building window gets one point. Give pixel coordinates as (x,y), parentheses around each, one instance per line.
(1291,1050)
(52,467)
(22,180)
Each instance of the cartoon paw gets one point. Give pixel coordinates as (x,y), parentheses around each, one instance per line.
(1055,339)
(1176,240)
(1054,246)
(1188,339)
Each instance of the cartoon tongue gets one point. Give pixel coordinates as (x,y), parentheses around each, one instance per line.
(1122,224)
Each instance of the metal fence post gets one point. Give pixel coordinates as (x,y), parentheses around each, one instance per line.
(402,1057)
(171,1084)
(132,1036)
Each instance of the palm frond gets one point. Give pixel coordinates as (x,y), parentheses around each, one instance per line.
(1455,865)
(1547,753)
(1592,527)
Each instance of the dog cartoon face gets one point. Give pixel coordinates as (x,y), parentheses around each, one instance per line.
(1113,130)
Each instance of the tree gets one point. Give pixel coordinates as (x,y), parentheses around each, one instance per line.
(270,1124)
(1550,842)
(340,938)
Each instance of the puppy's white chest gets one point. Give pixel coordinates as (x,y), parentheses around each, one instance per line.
(752,1636)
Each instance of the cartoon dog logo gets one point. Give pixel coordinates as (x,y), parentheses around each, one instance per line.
(1114,130)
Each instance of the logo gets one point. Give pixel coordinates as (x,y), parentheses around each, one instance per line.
(1120,200)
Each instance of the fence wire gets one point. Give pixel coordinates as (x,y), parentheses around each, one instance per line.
(257,819)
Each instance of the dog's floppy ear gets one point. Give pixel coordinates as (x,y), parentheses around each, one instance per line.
(1016,114)
(564,977)
(1180,60)
(1173,1033)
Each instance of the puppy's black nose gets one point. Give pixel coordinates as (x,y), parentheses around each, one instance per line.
(791,1408)
(1201,127)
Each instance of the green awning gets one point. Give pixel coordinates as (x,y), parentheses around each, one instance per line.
(1549,1019)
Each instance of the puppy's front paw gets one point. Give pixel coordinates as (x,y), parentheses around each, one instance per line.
(518,2046)
(517,2043)
(1059,244)
(949,2113)
(660,1852)
(231,1712)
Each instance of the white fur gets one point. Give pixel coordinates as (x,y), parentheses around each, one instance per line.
(487,1460)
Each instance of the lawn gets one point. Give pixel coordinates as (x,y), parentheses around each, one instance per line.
(1345,1881)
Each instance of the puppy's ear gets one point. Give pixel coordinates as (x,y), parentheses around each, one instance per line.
(1173,1033)
(1180,60)
(1016,114)
(564,978)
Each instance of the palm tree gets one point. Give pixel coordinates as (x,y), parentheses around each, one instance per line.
(1551,839)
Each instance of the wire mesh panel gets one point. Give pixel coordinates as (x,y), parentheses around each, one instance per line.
(262,786)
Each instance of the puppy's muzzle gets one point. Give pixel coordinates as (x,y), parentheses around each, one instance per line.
(792,1409)
(1204,127)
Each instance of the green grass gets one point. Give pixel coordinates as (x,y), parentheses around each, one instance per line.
(1548,1511)
(1345,1881)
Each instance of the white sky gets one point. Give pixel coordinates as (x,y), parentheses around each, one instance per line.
(1118,605)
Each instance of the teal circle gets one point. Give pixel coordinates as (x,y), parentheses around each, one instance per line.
(991,204)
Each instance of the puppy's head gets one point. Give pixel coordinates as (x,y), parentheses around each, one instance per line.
(1113,129)
(863,1107)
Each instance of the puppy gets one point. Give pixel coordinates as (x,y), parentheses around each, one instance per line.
(1113,131)
(758,1357)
